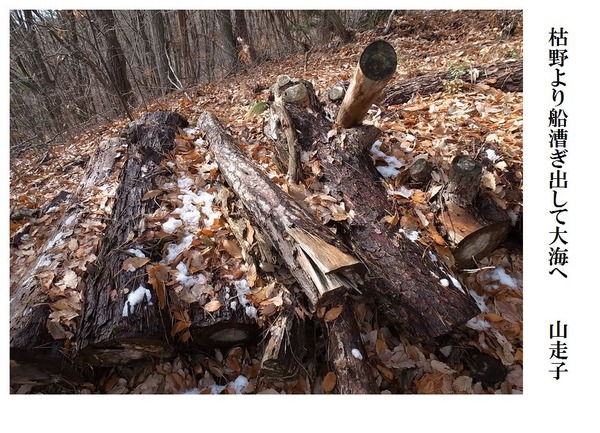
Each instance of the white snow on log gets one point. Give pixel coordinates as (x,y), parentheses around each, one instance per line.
(444,282)
(136,252)
(432,256)
(393,163)
(478,324)
(413,236)
(356,353)
(402,192)
(135,297)
(171,225)
(243,289)
(175,249)
(479,301)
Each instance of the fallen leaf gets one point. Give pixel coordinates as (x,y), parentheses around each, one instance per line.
(133,263)
(232,248)
(333,313)
(213,306)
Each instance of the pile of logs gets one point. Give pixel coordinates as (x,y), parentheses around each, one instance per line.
(360,258)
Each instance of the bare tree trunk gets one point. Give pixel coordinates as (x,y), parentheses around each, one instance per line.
(159,46)
(229,44)
(115,58)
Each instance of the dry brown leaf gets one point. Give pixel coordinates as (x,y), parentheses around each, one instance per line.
(213,306)
(133,263)
(232,248)
(333,313)
(329,382)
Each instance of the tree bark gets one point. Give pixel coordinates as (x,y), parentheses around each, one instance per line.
(121,319)
(507,76)
(29,304)
(290,228)
(375,69)
(348,356)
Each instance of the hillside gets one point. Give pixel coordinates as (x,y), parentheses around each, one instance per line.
(484,356)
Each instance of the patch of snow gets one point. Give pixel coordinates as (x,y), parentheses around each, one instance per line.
(199,142)
(444,282)
(239,384)
(413,236)
(491,155)
(189,214)
(184,182)
(479,301)
(356,353)
(183,277)
(387,171)
(171,225)
(135,297)
(457,284)
(175,249)
(478,324)
(243,289)
(402,192)
(393,163)
(432,256)
(499,274)
(136,252)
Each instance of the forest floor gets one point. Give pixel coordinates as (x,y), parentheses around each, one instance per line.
(482,357)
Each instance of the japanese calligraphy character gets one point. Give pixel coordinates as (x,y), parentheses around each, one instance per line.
(559,350)
(558,256)
(558,369)
(558,118)
(557,213)
(561,331)
(557,82)
(557,236)
(558,37)
(558,138)
(558,179)
(557,57)
(555,203)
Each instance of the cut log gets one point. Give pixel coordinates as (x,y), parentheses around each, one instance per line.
(348,356)
(375,69)
(474,225)
(507,76)
(278,215)
(29,303)
(122,321)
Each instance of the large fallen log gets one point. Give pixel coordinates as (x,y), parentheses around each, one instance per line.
(410,285)
(30,302)
(121,320)
(507,76)
(321,265)
(33,335)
